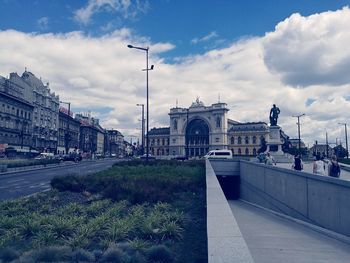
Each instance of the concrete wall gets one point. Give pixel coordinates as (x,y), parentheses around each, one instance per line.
(225,240)
(320,200)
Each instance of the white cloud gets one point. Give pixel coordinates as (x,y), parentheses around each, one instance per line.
(99,72)
(43,23)
(311,50)
(126,8)
(206,38)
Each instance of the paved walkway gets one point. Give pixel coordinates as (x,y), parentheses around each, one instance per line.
(273,239)
(345,175)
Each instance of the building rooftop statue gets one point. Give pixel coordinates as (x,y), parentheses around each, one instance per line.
(197,103)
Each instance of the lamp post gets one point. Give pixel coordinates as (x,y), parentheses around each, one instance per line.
(346,139)
(67,135)
(147,99)
(143,127)
(298,123)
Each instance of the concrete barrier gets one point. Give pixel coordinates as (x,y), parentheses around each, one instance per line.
(225,240)
(320,200)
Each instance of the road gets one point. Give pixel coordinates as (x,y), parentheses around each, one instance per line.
(25,183)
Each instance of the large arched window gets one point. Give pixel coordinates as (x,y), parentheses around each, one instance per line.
(246,140)
(239,140)
(232,140)
(218,122)
(239,151)
(246,151)
(254,151)
(197,138)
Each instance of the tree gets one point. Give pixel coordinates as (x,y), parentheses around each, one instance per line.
(339,151)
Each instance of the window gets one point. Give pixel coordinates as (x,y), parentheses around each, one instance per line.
(254,139)
(175,125)
(232,140)
(239,140)
(246,140)
(254,151)
(239,151)
(217,139)
(218,122)
(246,151)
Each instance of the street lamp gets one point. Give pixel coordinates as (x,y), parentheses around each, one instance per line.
(346,139)
(147,103)
(143,128)
(298,116)
(67,135)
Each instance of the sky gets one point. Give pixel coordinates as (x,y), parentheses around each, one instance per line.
(248,54)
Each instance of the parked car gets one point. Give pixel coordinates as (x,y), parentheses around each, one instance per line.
(44,156)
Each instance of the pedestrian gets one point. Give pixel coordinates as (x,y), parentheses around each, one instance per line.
(298,163)
(269,159)
(319,166)
(333,167)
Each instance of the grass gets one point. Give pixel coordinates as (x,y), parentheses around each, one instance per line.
(131,212)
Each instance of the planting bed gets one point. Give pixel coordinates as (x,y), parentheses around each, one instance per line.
(129,213)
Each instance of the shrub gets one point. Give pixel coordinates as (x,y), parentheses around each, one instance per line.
(159,253)
(82,255)
(48,254)
(71,183)
(8,254)
(112,254)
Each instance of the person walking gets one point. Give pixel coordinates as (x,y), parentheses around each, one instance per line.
(298,163)
(318,166)
(269,159)
(333,167)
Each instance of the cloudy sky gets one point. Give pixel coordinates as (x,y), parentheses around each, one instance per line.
(250,54)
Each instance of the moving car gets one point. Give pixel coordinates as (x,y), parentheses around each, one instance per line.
(218,154)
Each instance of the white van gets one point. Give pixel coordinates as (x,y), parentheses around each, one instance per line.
(218,154)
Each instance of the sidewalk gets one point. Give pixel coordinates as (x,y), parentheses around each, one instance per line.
(273,239)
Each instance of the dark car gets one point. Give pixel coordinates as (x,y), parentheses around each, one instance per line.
(75,157)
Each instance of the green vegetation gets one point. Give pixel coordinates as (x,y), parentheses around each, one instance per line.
(129,213)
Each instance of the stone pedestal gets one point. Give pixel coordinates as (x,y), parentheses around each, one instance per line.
(274,143)
(274,146)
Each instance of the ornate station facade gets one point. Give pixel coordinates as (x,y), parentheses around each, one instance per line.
(198,129)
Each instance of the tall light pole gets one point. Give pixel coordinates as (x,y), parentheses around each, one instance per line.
(147,103)
(346,139)
(143,128)
(298,123)
(67,135)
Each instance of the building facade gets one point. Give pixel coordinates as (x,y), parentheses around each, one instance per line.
(15,118)
(159,141)
(115,143)
(198,129)
(46,110)
(247,138)
(68,132)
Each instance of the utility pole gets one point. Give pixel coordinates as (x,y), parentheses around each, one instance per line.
(327,147)
(298,123)
(346,140)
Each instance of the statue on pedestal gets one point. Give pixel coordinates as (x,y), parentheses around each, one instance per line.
(274,115)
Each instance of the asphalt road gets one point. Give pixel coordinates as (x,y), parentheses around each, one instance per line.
(25,183)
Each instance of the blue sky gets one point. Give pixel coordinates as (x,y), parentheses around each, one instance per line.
(253,53)
(213,23)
